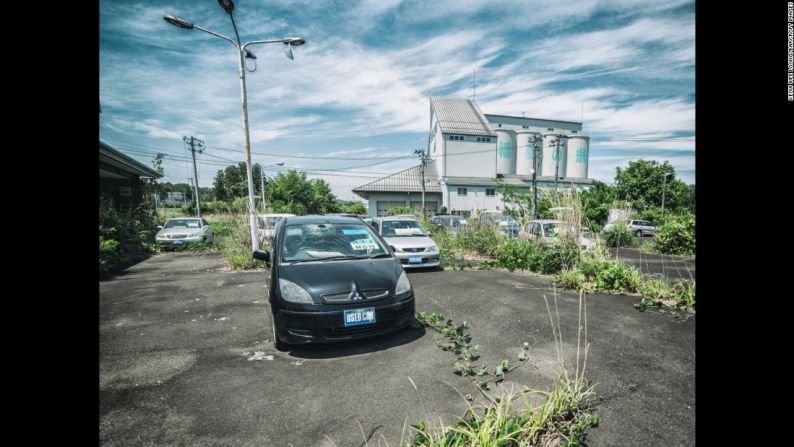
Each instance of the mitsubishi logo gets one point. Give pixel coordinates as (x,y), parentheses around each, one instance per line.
(354,295)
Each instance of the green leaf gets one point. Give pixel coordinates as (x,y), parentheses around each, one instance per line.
(522,356)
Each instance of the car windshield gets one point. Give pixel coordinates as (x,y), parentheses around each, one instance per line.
(183,223)
(269,222)
(457,221)
(330,241)
(550,229)
(402,228)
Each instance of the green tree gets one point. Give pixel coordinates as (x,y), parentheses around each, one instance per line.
(596,203)
(322,199)
(641,184)
(232,182)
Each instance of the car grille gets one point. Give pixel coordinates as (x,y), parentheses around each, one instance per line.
(413,250)
(344,297)
(176,236)
(378,326)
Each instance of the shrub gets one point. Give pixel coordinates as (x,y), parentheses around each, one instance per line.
(483,239)
(237,245)
(109,252)
(618,235)
(443,210)
(563,254)
(619,276)
(216,207)
(677,235)
(516,254)
(240,205)
(571,279)
(398,211)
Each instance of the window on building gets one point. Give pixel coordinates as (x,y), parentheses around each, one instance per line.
(499,125)
(461,191)
(574,131)
(549,128)
(525,126)
(478,139)
(490,191)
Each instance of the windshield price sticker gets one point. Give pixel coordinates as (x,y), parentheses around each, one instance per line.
(348,231)
(407,231)
(364,244)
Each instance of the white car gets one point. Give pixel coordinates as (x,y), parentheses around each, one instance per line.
(184,230)
(408,240)
(638,227)
(547,230)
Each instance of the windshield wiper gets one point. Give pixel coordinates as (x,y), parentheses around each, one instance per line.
(379,255)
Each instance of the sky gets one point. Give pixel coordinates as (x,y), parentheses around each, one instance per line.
(353,105)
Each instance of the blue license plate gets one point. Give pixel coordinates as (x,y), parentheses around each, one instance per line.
(176,242)
(415,260)
(359,317)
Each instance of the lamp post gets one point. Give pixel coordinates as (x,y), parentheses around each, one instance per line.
(243,53)
(664,183)
(262,172)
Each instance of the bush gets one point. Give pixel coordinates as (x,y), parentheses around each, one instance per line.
(571,279)
(483,239)
(443,210)
(237,245)
(216,207)
(122,235)
(618,235)
(619,276)
(109,252)
(398,211)
(677,235)
(516,254)
(240,205)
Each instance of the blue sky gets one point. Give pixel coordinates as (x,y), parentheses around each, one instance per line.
(359,89)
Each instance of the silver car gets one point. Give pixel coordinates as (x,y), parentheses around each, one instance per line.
(408,240)
(638,227)
(546,231)
(184,230)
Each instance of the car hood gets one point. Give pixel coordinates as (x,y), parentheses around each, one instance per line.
(403,242)
(321,278)
(166,231)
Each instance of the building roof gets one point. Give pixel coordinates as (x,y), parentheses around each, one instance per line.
(531,118)
(409,180)
(460,116)
(113,164)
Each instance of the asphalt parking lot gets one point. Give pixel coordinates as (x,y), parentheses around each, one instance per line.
(177,332)
(670,267)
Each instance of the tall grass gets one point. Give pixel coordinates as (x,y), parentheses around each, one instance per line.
(558,416)
(236,245)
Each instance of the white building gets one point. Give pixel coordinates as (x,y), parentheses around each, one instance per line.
(472,154)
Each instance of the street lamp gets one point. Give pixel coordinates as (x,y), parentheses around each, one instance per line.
(243,53)
(262,175)
(664,183)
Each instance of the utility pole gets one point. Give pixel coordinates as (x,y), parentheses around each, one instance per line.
(536,142)
(558,141)
(421,154)
(262,179)
(664,182)
(195,142)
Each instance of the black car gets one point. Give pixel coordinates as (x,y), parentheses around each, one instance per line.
(332,279)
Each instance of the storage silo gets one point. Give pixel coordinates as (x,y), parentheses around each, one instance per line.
(505,152)
(525,153)
(578,156)
(549,160)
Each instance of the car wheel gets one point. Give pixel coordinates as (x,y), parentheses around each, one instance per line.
(639,233)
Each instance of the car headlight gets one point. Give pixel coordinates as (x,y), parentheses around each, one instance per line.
(433,248)
(294,293)
(403,285)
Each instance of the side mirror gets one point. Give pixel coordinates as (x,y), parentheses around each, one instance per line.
(262,255)
(159,227)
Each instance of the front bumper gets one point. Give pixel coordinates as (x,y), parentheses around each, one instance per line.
(178,242)
(429,259)
(301,327)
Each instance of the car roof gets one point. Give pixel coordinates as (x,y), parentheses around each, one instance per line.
(183,218)
(318,219)
(545,221)
(276,215)
(396,218)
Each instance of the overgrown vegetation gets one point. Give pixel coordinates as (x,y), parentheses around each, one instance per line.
(124,236)
(677,235)
(557,417)
(618,235)
(236,245)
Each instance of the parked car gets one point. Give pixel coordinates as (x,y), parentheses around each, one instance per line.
(184,230)
(266,224)
(638,227)
(332,279)
(450,222)
(547,231)
(505,224)
(409,241)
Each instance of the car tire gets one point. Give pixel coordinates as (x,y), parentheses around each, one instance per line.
(639,233)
